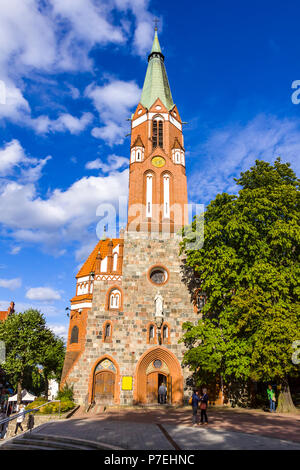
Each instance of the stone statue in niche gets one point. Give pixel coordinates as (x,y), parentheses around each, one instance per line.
(159,305)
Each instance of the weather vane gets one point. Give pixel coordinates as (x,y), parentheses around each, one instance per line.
(156,21)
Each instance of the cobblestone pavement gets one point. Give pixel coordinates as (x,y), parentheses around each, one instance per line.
(202,438)
(127,435)
(138,429)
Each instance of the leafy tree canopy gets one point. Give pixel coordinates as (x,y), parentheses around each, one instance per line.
(30,346)
(248,266)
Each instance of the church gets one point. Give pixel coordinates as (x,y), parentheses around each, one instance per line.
(126,317)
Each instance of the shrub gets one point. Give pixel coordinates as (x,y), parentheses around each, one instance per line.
(66,394)
(37,402)
(51,408)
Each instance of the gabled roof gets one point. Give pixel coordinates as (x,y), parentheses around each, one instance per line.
(177,144)
(101,246)
(138,142)
(156,84)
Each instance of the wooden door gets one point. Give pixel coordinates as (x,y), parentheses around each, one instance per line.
(104,387)
(152,387)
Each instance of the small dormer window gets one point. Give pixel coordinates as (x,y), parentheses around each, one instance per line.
(177,156)
(138,156)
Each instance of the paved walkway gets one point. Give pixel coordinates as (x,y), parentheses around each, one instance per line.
(138,429)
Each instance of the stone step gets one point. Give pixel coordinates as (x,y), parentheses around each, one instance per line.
(14,446)
(46,443)
(36,441)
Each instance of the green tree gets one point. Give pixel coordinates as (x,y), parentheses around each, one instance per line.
(28,342)
(52,360)
(248,266)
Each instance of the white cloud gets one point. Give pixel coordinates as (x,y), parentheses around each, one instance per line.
(113,163)
(14,105)
(15,250)
(43,293)
(13,157)
(38,38)
(59,330)
(229,151)
(65,122)
(113,102)
(61,216)
(11,284)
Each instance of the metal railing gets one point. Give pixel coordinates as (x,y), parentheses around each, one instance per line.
(25,412)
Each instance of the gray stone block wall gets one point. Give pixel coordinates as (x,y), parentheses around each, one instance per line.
(129,334)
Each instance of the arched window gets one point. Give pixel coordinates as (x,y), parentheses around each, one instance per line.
(114,299)
(160,134)
(151,333)
(107,331)
(154,134)
(165,333)
(157,133)
(74,335)
(138,156)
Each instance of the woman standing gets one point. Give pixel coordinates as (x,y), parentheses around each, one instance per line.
(203,406)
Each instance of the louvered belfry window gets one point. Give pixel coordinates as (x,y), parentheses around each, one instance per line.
(154,134)
(160,134)
(157,134)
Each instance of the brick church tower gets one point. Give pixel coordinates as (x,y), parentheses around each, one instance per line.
(126,317)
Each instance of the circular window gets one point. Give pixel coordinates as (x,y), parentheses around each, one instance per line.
(158,275)
(157,364)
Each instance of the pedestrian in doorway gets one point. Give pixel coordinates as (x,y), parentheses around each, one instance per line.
(20,418)
(203,406)
(162,393)
(194,402)
(272,398)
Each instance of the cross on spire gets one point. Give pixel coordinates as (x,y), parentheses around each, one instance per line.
(155,21)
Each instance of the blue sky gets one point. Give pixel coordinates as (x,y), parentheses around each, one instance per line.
(71,73)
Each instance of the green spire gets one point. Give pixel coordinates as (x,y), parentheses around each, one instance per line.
(156,84)
(156,46)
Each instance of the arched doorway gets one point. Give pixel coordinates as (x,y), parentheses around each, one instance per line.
(155,366)
(104,382)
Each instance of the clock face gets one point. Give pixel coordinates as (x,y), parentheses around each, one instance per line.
(158,161)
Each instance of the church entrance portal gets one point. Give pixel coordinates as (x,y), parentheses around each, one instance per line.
(156,366)
(154,380)
(104,382)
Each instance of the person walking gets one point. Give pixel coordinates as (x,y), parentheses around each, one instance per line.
(30,423)
(203,406)
(162,393)
(20,419)
(194,402)
(272,398)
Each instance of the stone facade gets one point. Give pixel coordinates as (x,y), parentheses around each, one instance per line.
(129,339)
